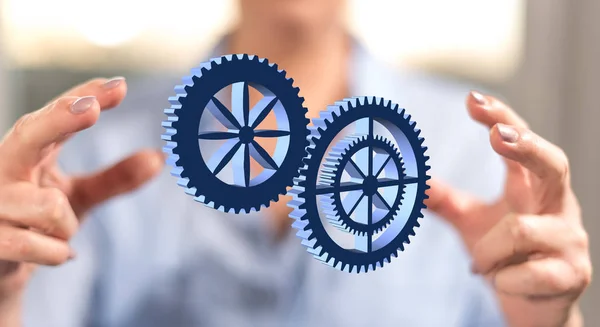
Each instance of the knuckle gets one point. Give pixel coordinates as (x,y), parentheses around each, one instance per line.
(94,81)
(533,147)
(54,208)
(21,245)
(581,239)
(564,166)
(554,280)
(19,131)
(520,228)
(584,273)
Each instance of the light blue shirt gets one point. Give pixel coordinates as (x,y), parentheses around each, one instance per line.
(157,258)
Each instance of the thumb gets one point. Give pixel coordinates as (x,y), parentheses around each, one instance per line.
(125,176)
(449,203)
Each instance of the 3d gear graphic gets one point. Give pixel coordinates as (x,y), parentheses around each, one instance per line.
(372,183)
(316,192)
(240,133)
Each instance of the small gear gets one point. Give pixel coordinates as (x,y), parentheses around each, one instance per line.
(377,182)
(240,133)
(318,183)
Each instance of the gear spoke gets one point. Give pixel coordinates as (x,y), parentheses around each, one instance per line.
(263,108)
(217,135)
(380,201)
(246,165)
(262,156)
(370,153)
(356,204)
(343,187)
(383,166)
(386,182)
(222,114)
(230,149)
(364,243)
(270,133)
(240,100)
(353,169)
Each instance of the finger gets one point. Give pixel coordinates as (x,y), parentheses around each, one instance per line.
(545,277)
(109,92)
(32,136)
(541,157)
(490,111)
(46,210)
(24,245)
(448,202)
(123,177)
(516,237)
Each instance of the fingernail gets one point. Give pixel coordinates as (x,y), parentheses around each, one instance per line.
(82,105)
(72,255)
(114,82)
(479,98)
(508,134)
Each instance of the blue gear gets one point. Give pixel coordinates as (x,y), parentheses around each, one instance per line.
(340,161)
(197,174)
(309,187)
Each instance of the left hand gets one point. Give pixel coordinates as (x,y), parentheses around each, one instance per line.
(530,244)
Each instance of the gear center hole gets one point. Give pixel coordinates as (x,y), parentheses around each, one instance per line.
(370,185)
(246,134)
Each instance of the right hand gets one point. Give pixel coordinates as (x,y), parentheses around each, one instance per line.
(40,207)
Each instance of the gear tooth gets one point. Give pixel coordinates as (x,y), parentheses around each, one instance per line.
(298,223)
(180,90)
(344,267)
(402,111)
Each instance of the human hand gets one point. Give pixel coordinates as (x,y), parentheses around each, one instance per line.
(41,207)
(530,244)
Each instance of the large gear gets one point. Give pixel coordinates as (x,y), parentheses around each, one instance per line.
(197,171)
(310,189)
(386,168)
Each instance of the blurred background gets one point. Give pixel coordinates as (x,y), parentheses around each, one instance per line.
(542,56)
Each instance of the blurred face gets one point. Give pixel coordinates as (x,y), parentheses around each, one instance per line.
(293,13)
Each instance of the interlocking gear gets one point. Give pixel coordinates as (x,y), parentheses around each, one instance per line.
(318,183)
(375,183)
(240,134)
